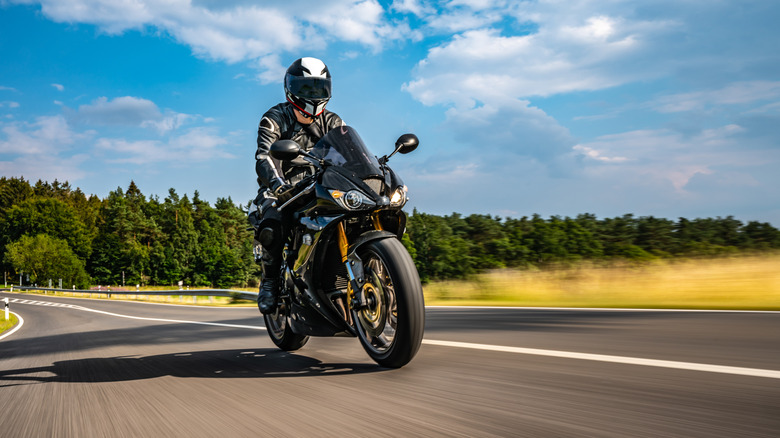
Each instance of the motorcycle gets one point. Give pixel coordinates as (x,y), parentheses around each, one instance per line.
(345,270)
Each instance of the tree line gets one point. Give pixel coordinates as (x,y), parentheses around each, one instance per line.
(53,231)
(454,246)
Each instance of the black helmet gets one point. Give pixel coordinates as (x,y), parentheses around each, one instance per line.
(307,85)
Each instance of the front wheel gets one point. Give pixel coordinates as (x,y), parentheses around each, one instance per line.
(391,327)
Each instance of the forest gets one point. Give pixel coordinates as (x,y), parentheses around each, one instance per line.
(54,231)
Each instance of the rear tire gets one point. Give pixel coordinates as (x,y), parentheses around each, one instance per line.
(280,332)
(391,327)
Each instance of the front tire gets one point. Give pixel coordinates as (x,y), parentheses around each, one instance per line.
(280,332)
(391,327)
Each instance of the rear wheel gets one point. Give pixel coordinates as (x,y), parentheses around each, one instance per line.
(391,327)
(280,332)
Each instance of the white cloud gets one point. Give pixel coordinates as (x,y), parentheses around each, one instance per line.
(9,104)
(737,93)
(484,64)
(171,121)
(196,145)
(59,87)
(597,155)
(663,173)
(270,69)
(493,142)
(45,167)
(126,110)
(3,88)
(129,111)
(663,157)
(234,31)
(46,136)
(510,128)
(415,7)
(42,149)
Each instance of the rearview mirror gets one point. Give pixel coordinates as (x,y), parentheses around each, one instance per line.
(407,143)
(285,150)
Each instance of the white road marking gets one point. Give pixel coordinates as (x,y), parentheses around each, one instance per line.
(772,374)
(13,330)
(176,321)
(216,324)
(754,372)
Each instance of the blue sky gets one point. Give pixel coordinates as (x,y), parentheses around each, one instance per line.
(663,108)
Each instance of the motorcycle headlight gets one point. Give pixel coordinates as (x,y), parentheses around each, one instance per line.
(398,198)
(351,200)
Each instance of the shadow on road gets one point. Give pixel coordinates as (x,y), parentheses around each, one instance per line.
(260,363)
(84,337)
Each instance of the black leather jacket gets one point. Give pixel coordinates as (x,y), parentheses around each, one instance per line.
(279,123)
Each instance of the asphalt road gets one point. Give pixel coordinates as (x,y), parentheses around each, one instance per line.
(481,372)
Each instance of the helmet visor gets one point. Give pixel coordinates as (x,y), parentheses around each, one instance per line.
(308,87)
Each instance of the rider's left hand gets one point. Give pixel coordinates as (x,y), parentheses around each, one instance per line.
(284,193)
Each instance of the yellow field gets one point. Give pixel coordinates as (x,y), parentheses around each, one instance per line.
(723,283)
(746,282)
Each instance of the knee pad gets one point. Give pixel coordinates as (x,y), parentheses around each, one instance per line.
(266,237)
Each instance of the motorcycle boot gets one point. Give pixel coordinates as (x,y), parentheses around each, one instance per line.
(271,263)
(269,291)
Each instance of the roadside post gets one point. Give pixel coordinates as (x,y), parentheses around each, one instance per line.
(7,317)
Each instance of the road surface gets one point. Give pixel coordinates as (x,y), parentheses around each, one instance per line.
(84,368)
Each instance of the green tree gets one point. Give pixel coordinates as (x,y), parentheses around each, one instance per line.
(490,246)
(46,258)
(440,254)
(581,241)
(655,235)
(618,236)
(517,230)
(761,235)
(547,240)
(52,217)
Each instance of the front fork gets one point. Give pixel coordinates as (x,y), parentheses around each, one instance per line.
(355,297)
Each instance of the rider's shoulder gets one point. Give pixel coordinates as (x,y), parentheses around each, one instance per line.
(280,112)
(332,120)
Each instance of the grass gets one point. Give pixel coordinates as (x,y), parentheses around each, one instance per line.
(6,324)
(748,282)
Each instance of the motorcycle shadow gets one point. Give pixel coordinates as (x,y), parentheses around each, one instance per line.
(225,364)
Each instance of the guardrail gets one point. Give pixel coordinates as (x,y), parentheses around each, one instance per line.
(190,293)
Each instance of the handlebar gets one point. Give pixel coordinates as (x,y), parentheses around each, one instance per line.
(300,188)
(296,196)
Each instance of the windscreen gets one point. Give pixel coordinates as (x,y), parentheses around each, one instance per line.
(343,147)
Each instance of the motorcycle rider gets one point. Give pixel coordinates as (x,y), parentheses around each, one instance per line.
(303,119)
